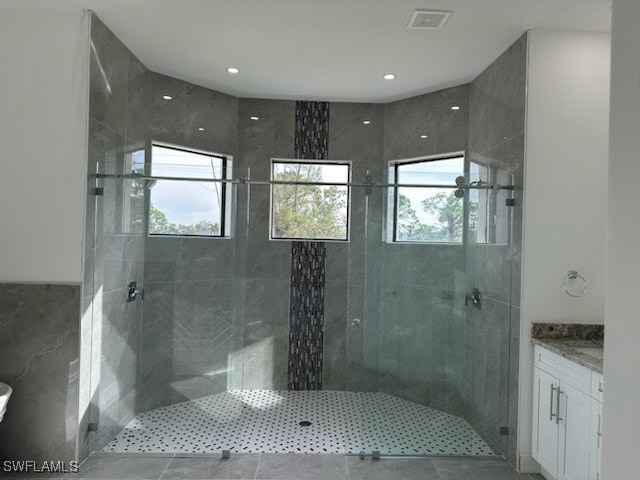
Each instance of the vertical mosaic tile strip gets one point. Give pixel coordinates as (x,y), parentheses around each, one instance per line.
(306,297)
(311,141)
(306,315)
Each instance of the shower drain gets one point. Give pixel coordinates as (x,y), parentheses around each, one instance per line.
(305,423)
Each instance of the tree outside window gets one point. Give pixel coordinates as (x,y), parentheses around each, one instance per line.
(428,214)
(310,212)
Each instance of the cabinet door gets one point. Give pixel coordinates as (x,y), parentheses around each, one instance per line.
(545,425)
(574,434)
(595,440)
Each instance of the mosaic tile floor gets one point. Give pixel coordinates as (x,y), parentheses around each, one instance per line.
(263,421)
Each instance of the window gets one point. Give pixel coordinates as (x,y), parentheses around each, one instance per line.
(132,205)
(188,207)
(310,212)
(488,210)
(427,214)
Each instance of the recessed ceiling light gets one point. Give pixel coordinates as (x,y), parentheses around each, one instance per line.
(455,107)
(366,122)
(424,136)
(233,70)
(167,97)
(389,76)
(254,118)
(200,129)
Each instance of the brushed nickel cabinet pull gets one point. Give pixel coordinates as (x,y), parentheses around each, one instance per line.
(599,432)
(558,404)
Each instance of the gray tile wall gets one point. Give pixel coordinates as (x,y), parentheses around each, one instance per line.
(354,360)
(114,242)
(39,360)
(350,139)
(415,293)
(496,143)
(430,114)
(268,262)
(191,334)
(268,269)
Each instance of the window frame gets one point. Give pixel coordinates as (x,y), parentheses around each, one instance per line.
(225,192)
(393,173)
(347,163)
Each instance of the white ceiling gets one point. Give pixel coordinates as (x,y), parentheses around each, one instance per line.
(327,49)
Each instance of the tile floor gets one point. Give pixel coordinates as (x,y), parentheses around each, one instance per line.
(293,467)
(265,421)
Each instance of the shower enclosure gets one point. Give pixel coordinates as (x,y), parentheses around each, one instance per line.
(219,318)
(195,357)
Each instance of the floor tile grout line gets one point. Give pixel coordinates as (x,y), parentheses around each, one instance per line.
(255,476)
(436,468)
(167,466)
(346,464)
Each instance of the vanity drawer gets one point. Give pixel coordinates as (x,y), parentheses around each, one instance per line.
(563,369)
(597,386)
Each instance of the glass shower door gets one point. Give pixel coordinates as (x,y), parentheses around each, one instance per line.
(493,326)
(167,355)
(117,255)
(422,351)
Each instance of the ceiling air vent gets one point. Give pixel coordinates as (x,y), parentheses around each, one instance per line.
(428,19)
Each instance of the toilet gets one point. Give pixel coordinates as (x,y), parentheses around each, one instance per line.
(5,393)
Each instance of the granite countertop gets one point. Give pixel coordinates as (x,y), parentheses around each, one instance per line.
(564,338)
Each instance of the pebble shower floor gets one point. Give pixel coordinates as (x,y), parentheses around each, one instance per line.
(265,421)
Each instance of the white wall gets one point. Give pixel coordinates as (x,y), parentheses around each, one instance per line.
(621,422)
(565,188)
(43,133)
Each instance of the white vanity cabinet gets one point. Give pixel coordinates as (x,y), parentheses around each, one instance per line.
(564,418)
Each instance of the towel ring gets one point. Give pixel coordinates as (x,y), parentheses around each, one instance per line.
(574,275)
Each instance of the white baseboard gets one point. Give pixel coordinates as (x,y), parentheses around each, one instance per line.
(526,464)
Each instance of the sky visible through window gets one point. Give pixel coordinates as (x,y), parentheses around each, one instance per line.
(424,214)
(186,203)
(427,214)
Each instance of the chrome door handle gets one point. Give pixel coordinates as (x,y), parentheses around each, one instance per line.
(355,323)
(551,414)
